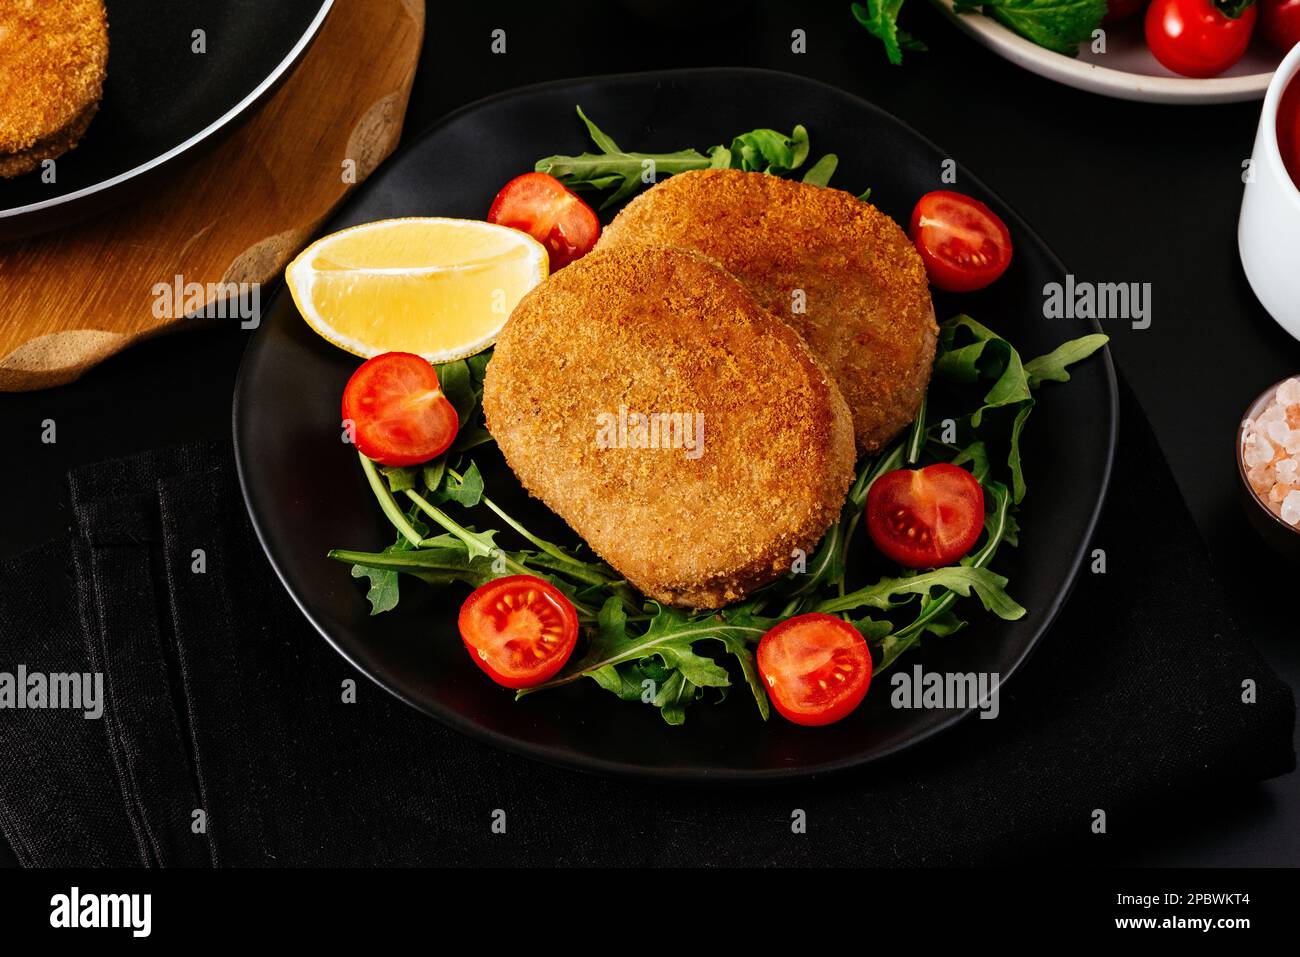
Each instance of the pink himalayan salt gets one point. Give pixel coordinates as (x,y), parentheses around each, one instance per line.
(1290,511)
(1271,452)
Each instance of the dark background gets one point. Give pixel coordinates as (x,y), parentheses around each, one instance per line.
(1124,192)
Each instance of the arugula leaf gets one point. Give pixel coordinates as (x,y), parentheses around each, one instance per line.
(612,646)
(826,566)
(459,388)
(604,142)
(673,697)
(1013,458)
(760,150)
(387,504)
(466,490)
(988,586)
(612,168)
(432,473)
(1052,367)
(940,622)
(916,435)
(670,637)
(975,459)
(820,173)
(399,478)
(478,364)
(972,354)
(1059,25)
(767,151)
(440,560)
(880,19)
(549,554)
(476,543)
(437,566)
(742,628)
(462,384)
(988,357)
(383,592)
(871,629)
(471,437)
(637,681)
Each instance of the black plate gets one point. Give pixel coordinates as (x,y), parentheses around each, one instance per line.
(306,493)
(162,100)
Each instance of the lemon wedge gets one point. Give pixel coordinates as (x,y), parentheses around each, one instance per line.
(440,288)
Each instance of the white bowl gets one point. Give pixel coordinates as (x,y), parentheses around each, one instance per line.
(1127,70)
(1268,233)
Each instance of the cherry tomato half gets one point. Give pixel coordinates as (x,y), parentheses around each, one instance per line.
(1196,38)
(519,630)
(815,667)
(925,518)
(963,243)
(398,411)
(1279,21)
(544,208)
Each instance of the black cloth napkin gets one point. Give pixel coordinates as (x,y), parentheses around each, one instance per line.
(224,740)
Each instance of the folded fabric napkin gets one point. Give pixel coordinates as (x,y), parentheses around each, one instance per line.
(224,740)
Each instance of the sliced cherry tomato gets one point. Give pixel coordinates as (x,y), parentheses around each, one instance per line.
(925,518)
(544,208)
(1279,21)
(1195,37)
(398,413)
(520,630)
(963,243)
(815,667)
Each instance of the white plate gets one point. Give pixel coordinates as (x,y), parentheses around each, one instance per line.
(1127,69)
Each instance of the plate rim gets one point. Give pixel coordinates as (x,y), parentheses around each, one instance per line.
(1103,80)
(558,757)
(267,84)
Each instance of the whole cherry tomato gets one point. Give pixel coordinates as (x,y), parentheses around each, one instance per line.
(1198,38)
(1279,22)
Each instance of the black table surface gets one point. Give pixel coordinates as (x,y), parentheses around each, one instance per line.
(1124,192)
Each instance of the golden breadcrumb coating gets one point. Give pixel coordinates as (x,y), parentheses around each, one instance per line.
(867,313)
(642,330)
(16,164)
(53,57)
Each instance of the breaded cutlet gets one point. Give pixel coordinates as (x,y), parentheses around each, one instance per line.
(838,270)
(642,330)
(53,58)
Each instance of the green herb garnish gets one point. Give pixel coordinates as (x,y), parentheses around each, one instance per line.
(758,151)
(1058,25)
(880,19)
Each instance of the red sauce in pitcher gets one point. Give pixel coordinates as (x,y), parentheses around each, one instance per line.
(1288,129)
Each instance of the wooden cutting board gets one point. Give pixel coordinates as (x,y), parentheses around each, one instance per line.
(238,214)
